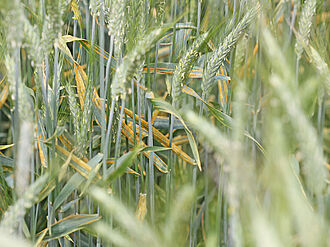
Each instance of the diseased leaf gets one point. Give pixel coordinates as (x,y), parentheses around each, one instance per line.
(161,138)
(166,107)
(80,83)
(158,162)
(75,181)
(77,14)
(3,95)
(141,209)
(69,224)
(79,165)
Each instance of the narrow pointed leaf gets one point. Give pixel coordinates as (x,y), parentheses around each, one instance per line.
(70,224)
(166,107)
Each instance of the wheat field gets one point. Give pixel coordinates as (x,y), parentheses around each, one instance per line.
(164,123)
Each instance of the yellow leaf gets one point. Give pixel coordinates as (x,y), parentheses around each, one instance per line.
(223,89)
(41,153)
(162,139)
(77,14)
(3,96)
(3,147)
(78,161)
(158,162)
(141,209)
(180,140)
(80,84)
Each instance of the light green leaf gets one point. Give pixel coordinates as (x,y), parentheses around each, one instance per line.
(74,182)
(127,159)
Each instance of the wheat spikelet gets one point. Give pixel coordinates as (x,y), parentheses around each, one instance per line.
(32,43)
(52,26)
(160,14)
(185,66)
(94,7)
(305,23)
(55,12)
(115,20)
(134,23)
(240,52)
(74,109)
(82,138)
(22,33)
(139,32)
(218,57)
(13,42)
(12,10)
(127,68)
(23,97)
(321,66)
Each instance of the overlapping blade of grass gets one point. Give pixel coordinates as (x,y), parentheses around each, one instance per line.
(166,107)
(158,162)
(127,160)
(126,219)
(16,212)
(314,160)
(68,225)
(75,181)
(283,193)
(220,116)
(161,138)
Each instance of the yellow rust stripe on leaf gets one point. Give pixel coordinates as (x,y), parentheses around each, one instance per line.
(141,209)
(80,85)
(41,153)
(158,162)
(161,138)
(75,159)
(255,50)
(3,96)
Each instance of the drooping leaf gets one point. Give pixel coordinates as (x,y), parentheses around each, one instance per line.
(158,162)
(166,107)
(69,224)
(86,44)
(220,116)
(74,182)
(161,138)
(126,160)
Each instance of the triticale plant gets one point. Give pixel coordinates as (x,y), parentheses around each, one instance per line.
(164,123)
